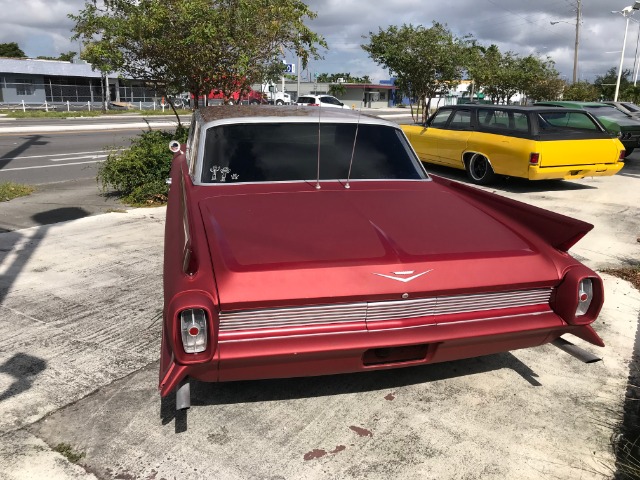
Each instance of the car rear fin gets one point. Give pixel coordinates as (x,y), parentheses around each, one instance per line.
(560,231)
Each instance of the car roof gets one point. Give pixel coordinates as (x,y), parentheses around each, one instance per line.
(290,114)
(515,108)
(575,104)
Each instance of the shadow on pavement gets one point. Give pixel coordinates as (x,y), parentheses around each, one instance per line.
(229,393)
(24,368)
(30,141)
(63,214)
(510,184)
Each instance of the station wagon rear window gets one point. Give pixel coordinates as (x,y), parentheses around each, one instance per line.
(271,152)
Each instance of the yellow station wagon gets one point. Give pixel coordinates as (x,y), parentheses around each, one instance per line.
(536,143)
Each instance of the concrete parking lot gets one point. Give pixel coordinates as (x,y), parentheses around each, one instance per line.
(79,343)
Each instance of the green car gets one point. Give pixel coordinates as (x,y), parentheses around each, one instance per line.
(624,126)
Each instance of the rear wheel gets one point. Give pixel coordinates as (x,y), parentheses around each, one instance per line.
(279,102)
(479,169)
(230,102)
(628,151)
(254,102)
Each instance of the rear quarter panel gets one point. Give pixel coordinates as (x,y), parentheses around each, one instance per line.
(508,155)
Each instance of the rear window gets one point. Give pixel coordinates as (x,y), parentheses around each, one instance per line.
(306,100)
(289,152)
(607,111)
(566,120)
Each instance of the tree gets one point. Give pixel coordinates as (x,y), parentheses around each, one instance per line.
(581,92)
(539,80)
(337,89)
(425,61)
(63,57)
(606,84)
(195,45)
(11,50)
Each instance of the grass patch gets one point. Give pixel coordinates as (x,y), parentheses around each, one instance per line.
(93,113)
(10,190)
(66,451)
(41,114)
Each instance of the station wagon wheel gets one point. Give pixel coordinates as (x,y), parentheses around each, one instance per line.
(628,151)
(479,169)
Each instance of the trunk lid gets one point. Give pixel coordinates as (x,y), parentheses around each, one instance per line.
(306,246)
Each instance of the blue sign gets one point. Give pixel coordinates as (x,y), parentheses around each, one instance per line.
(291,68)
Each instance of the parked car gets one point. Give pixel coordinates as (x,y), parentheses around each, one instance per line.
(624,126)
(536,143)
(626,107)
(298,245)
(320,101)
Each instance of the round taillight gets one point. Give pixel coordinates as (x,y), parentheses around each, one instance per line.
(584,297)
(194,331)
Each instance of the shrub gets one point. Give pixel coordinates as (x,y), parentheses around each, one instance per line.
(138,173)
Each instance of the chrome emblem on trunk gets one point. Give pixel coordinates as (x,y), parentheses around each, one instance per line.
(402,276)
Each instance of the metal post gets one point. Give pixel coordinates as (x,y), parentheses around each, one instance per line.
(298,90)
(635,61)
(624,43)
(68,107)
(46,107)
(24,109)
(89,105)
(575,51)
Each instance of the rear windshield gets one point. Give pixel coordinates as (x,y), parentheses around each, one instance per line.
(289,152)
(607,111)
(572,124)
(306,100)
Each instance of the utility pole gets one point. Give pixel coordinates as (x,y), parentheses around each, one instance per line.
(575,51)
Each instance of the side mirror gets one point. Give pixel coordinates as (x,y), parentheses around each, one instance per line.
(174,146)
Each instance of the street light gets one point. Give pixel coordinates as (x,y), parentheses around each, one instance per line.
(626,12)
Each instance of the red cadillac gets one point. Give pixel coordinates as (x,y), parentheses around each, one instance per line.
(308,242)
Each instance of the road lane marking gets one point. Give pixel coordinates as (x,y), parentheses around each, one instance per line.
(53,155)
(48,166)
(78,158)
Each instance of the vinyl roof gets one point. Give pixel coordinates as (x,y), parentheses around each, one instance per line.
(295,113)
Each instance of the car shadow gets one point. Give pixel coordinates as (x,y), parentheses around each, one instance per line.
(229,393)
(631,168)
(510,184)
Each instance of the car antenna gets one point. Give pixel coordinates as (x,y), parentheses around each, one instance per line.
(353,151)
(318,174)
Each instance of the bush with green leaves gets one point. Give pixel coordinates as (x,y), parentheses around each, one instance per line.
(138,174)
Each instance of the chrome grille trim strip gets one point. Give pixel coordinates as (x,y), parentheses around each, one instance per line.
(292,317)
(410,327)
(379,311)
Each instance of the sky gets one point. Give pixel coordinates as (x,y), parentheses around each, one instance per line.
(41,27)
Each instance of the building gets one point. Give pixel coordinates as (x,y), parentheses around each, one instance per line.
(38,82)
(357,95)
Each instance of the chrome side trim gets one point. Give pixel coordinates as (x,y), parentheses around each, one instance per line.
(379,311)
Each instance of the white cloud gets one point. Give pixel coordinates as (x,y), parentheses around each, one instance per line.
(42,27)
